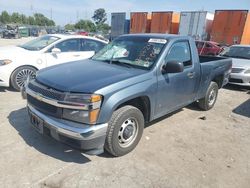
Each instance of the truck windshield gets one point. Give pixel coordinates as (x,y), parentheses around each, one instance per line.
(237,52)
(39,43)
(139,52)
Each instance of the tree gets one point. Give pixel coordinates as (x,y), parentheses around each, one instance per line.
(41,20)
(69,27)
(31,20)
(100,16)
(15,18)
(5,17)
(104,28)
(86,25)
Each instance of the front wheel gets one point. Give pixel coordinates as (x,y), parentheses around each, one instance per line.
(124,131)
(210,98)
(20,75)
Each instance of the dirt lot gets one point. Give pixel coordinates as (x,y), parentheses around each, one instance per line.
(188,148)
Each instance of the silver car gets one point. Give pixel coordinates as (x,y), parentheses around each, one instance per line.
(240,55)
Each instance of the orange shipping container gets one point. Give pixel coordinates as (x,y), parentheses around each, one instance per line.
(140,22)
(165,22)
(231,27)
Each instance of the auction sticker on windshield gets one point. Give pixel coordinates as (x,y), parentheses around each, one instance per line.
(160,41)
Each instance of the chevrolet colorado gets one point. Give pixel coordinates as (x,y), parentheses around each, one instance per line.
(104,102)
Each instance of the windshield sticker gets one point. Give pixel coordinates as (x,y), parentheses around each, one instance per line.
(159,41)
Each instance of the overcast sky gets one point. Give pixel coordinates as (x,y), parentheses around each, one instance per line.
(68,11)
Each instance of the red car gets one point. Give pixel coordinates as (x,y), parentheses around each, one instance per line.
(84,33)
(208,48)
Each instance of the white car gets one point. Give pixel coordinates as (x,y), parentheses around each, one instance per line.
(19,62)
(240,55)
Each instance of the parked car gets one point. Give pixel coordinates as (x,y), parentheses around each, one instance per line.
(19,62)
(84,33)
(208,48)
(240,55)
(11,31)
(104,102)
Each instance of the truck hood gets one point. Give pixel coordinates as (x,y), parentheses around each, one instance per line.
(85,76)
(241,63)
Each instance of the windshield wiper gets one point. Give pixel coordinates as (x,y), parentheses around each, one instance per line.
(118,62)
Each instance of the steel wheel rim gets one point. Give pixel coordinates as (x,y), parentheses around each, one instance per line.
(212,97)
(22,76)
(128,132)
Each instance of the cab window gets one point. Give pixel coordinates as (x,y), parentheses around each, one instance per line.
(180,52)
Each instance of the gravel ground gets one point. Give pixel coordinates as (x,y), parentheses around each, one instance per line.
(189,148)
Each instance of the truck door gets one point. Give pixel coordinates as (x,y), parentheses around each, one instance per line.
(177,89)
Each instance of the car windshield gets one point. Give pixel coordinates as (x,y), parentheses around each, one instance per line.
(237,52)
(39,43)
(139,52)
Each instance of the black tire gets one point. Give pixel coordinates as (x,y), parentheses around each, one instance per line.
(210,98)
(117,131)
(19,76)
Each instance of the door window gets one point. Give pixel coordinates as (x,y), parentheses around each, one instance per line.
(91,45)
(180,52)
(71,45)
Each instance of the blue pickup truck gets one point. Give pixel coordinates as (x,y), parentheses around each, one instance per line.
(104,102)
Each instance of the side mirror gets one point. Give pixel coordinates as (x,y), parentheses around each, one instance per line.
(55,51)
(172,67)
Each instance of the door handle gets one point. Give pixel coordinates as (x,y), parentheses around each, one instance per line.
(76,55)
(191,74)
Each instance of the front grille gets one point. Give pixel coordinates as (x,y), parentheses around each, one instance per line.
(45,91)
(44,107)
(234,80)
(237,70)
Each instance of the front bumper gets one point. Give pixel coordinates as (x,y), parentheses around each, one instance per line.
(4,77)
(240,79)
(90,138)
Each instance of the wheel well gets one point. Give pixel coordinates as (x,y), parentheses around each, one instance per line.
(20,67)
(142,103)
(219,80)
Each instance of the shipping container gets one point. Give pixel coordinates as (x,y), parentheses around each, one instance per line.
(140,22)
(231,27)
(165,22)
(118,24)
(197,24)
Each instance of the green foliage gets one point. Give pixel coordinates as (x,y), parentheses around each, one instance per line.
(5,17)
(69,27)
(86,25)
(100,16)
(104,28)
(37,19)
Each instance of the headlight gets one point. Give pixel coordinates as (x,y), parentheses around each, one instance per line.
(247,71)
(5,62)
(90,105)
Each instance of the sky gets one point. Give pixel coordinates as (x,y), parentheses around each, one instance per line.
(69,11)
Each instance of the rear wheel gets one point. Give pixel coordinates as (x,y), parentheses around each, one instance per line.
(20,75)
(210,98)
(124,131)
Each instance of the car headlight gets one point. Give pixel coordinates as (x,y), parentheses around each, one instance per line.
(89,107)
(5,62)
(247,71)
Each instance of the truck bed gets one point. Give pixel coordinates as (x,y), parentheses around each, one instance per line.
(212,69)
(205,59)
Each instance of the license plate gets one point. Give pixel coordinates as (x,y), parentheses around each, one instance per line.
(36,122)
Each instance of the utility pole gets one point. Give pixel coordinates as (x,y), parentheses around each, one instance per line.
(51,13)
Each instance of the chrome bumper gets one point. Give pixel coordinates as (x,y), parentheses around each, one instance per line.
(89,137)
